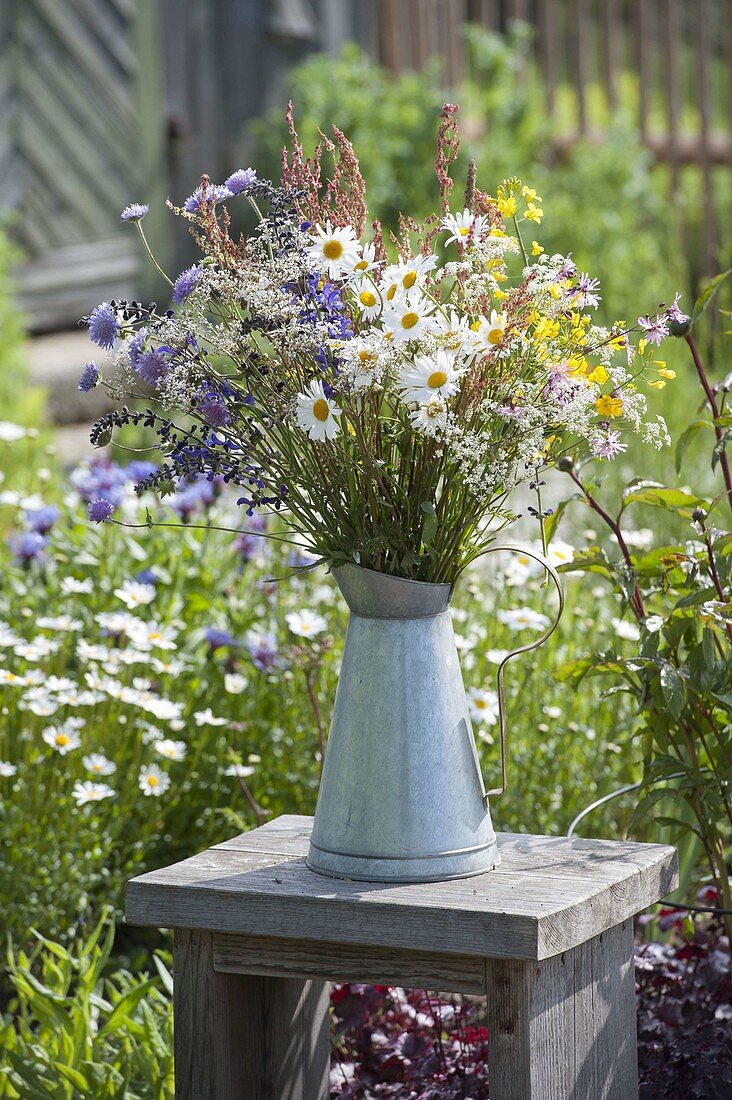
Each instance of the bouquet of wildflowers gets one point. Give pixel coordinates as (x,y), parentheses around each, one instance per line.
(386,391)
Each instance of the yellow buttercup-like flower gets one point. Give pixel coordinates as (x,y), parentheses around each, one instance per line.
(507,205)
(609,406)
(536,249)
(534,213)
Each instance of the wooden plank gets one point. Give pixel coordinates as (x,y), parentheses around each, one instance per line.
(245,1038)
(550,894)
(346,962)
(564,1028)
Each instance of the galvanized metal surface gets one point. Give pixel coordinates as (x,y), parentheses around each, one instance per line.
(401,798)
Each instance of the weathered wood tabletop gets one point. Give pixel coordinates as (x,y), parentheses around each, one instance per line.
(547,937)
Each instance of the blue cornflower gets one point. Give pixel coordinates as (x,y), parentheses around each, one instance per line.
(215,192)
(263,651)
(135,212)
(219,639)
(100,510)
(28,546)
(147,576)
(89,377)
(103,326)
(135,346)
(185,284)
(241,180)
(138,470)
(41,520)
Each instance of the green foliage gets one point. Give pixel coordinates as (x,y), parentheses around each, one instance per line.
(73,1030)
(12,367)
(680,678)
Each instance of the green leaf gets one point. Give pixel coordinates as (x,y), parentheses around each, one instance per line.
(673,500)
(707,295)
(125,1006)
(720,447)
(73,1076)
(687,437)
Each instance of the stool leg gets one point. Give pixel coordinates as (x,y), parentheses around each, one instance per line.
(565,1028)
(242,1037)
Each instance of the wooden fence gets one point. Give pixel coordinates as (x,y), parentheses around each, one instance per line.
(675,55)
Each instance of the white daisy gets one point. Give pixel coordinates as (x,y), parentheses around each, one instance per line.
(59,622)
(133,594)
(235,683)
(488,333)
(399,278)
(368,299)
(430,415)
(7,770)
(429,376)
(407,318)
(483,706)
(62,738)
(172,750)
(241,771)
(367,261)
(152,780)
(452,331)
(70,586)
(316,413)
(98,764)
(173,667)
(207,718)
(335,249)
(87,791)
(306,624)
(522,618)
(7,636)
(463,226)
(152,635)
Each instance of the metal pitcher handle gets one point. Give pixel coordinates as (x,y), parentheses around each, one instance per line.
(523,649)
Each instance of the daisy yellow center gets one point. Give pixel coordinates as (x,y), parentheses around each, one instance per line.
(152,781)
(366,356)
(464,230)
(62,739)
(436,379)
(481,704)
(362,265)
(366,298)
(495,336)
(332,250)
(409,320)
(320,409)
(409,279)
(433,410)
(155,637)
(391,292)
(97,768)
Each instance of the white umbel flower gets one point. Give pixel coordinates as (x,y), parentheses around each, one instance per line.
(463,226)
(335,249)
(429,376)
(316,413)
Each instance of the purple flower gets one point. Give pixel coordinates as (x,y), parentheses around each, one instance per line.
(135,212)
(213,409)
(41,520)
(215,192)
(185,283)
(100,510)
(675,313)
(147,576)
(656,330)
(152,366)
(568,270)
(28,546)
(249,540)
(585,292)
(138,470)
(193,497)
(103,326)
(89,377)
(607,446)
(241,180)
(263,651)
(219,639)
(99,478)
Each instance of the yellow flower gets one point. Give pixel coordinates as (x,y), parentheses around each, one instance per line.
(536,249)
(596,374)
(577,364)
(496,232)
(507,205)
(609,406)
(530,194)
(666,372)
(546,330)
(642,345)
(657,383)
(555,290)
(501,295)
(619,342)
(534,213)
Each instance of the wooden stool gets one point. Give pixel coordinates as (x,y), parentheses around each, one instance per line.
(547,937)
